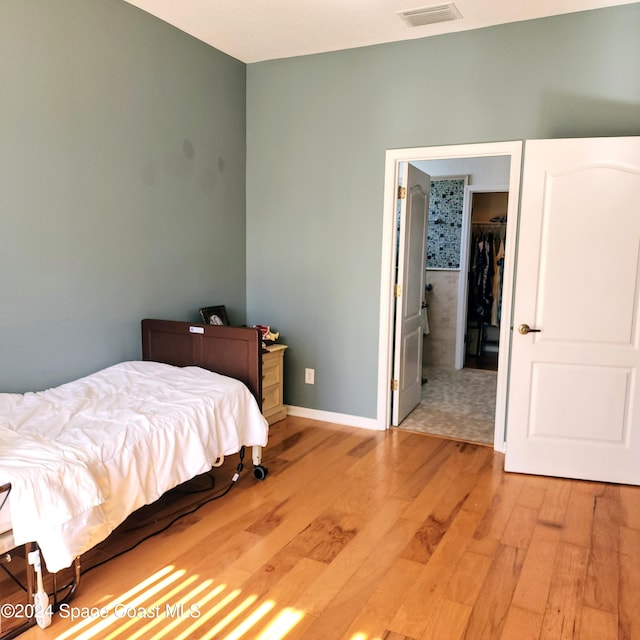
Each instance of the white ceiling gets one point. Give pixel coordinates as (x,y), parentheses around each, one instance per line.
(256,30)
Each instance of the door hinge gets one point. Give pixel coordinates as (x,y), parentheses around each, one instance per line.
(397,290)
(402,193)
(394,385)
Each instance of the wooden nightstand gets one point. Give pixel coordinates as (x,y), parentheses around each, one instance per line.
(273,408)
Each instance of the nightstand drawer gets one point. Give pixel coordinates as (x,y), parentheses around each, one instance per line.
(270,398)
(271,373)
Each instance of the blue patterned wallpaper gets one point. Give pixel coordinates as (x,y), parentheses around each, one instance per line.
(446,199)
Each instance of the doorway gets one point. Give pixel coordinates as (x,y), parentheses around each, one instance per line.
(462,339)
(510,151)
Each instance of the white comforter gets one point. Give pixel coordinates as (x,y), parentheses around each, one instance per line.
(81,457)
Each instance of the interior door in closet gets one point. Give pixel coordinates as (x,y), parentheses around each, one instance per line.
(574,386)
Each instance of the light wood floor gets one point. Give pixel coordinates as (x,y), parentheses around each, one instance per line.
(362,535)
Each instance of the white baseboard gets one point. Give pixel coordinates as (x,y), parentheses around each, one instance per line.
(347,420)
(335,418)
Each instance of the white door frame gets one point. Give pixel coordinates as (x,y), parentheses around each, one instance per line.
(387,277)
(465,258)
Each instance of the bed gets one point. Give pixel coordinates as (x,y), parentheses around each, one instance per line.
(76,460)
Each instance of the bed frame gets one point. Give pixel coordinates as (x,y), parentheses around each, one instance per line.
(232,351)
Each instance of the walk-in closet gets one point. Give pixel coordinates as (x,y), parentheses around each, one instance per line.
(485,277)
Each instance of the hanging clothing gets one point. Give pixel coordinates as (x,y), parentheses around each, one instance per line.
(481,289)
(497,283)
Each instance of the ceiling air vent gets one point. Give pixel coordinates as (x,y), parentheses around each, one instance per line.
(431,15)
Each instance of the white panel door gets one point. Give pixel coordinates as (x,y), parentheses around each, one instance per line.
(412,242)
(574,401)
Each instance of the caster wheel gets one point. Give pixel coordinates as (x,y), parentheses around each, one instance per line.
(260,472)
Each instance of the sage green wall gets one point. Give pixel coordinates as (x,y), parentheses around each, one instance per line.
(122,184)
(317,131)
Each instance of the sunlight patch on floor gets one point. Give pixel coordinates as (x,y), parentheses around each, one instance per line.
(170,604)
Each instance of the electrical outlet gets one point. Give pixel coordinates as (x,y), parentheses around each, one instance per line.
(309,376)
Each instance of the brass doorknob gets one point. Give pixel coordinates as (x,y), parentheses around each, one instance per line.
(525,328)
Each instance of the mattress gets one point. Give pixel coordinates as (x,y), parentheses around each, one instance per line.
(6,535)
(83,456)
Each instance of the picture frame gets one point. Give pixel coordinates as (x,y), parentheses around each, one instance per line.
(215,315)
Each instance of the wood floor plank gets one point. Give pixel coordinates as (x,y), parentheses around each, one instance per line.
(562,616)
(487,482)
(360,495)
(316,598)
(443,469)
(283,591)
(326,547)
(409,482)
(532,590)
(533,491)
(352,597)
(630,506)
(446,619)
(607,518)
(390,635)
(629,602)
(452,464)
(630,544)
(579,516)
(486,538)
(301,508)
(554,505)
(326,536)
(598,625)
(428,589)
(489,613)
(521,624)
(603,569)
(375,615)
(467,579)
(386,459)
(602,580)
(292,439)
(438,521)
(519,527)
(367,445)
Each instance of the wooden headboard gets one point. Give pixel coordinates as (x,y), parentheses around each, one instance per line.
(232,351)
